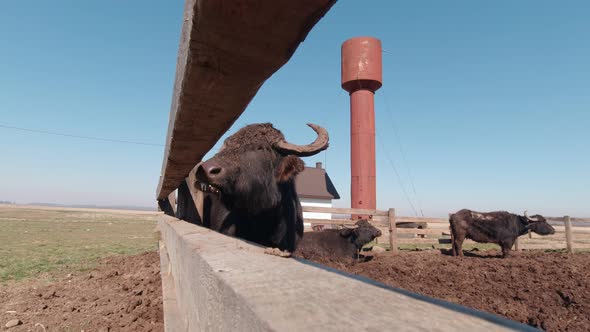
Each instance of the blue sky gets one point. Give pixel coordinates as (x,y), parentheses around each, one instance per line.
(485,105)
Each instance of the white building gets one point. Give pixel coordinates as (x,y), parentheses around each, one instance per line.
(315,188)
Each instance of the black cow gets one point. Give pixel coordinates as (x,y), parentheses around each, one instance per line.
(337,243)
(249,186)
(499,227)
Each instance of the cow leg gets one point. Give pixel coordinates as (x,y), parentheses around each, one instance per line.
(506,247)
(453,247)
(458,245)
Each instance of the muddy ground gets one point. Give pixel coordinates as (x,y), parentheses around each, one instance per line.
(122,294)
(547,290)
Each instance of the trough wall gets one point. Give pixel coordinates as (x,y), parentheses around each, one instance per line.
(217,283)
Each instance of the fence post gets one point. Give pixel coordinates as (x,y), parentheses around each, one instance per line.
(516,245)
(568,234)
(392,231)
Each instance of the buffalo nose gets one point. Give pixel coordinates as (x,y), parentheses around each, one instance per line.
(212,170)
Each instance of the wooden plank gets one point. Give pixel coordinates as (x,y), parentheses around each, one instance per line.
(426,231)
(392,231)
(344,222)
(582,220)
(568,234)
(417,241)
(347,211)
(225,284)
(423,219)
(227,50)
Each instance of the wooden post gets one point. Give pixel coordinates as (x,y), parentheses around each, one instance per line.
(516,245)
(568,234)
(530,234)
(392,231)
(172,200)
(187,210)
(165,206)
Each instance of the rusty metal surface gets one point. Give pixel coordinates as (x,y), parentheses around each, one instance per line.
(361,64)
(361,76)
(227,50)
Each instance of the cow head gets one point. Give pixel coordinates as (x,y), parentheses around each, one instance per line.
(538,224)
(253,165)
(362,234)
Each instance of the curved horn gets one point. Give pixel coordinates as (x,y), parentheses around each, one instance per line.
(320,144)
(529,218)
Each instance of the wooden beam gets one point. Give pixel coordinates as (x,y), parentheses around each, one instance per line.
(227,50)
(321,209)
(344,222)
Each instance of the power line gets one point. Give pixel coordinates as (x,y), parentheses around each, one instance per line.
(47,132)
(402,152)
(399,179)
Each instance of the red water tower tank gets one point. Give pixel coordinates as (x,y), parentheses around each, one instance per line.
(361,77)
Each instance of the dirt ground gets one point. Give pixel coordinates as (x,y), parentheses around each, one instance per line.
(544,289)
(547,290)
(121,294)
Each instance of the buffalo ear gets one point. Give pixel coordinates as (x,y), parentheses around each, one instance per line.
(346,232)
(289,167)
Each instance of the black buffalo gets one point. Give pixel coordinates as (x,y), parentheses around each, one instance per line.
(250,189)
(494,227)
(337,243)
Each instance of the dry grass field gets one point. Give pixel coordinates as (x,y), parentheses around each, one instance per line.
(37,241)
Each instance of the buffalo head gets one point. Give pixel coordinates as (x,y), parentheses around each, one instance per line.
(538,224)
(255,166)
(362,234)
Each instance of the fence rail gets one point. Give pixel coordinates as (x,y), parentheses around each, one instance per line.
(567,236)
(584,220)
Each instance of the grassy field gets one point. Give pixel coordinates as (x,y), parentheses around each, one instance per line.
(36,240)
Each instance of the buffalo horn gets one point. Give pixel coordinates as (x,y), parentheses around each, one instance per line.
(320,144)
(529,218)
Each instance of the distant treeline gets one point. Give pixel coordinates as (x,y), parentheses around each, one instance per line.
(7,202)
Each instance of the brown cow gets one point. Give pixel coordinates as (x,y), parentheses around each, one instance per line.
(499,227)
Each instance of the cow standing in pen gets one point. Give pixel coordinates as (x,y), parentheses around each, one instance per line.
(250,189)
(498,227)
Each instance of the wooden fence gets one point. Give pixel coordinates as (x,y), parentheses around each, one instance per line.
(437,231)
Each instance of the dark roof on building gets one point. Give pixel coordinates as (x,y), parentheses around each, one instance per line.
(314,182)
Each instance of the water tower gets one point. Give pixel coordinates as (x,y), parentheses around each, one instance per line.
(361,77)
